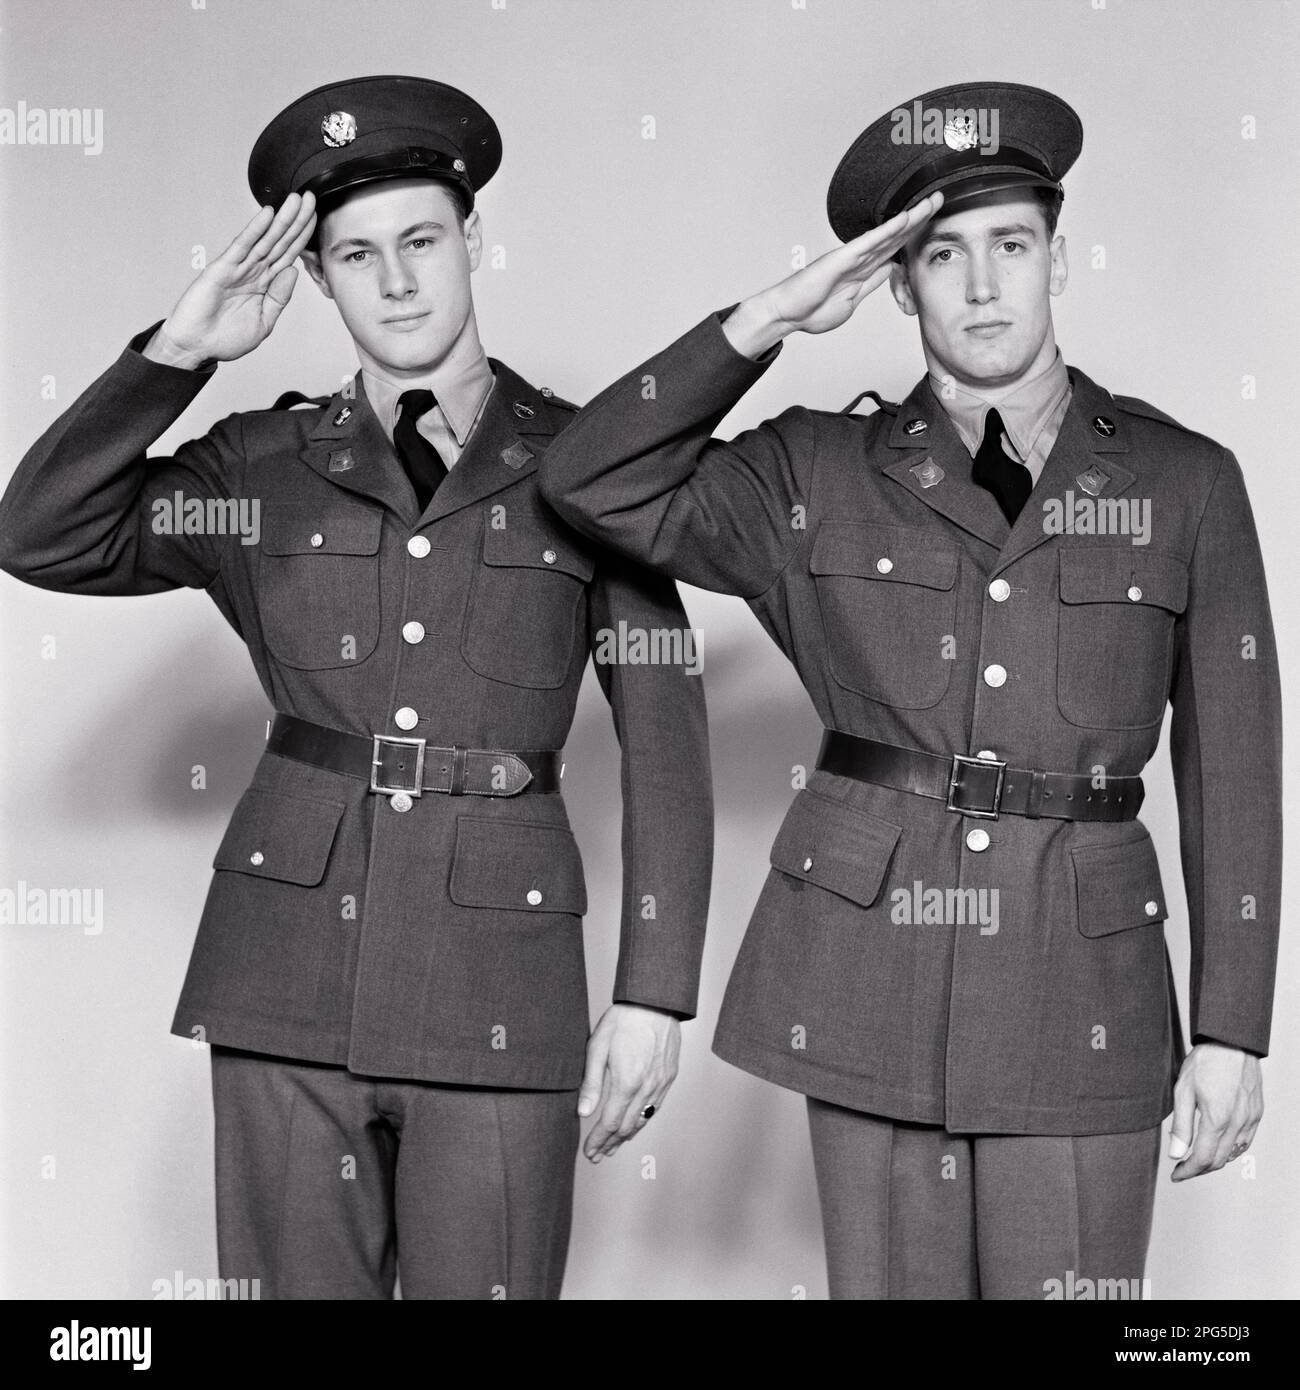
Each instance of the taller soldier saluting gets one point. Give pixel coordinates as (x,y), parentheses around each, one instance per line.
(389,965)
(990,592)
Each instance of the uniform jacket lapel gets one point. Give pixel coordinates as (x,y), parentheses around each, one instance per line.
(927,457)
(514,428)
(1086,460)
(348,447)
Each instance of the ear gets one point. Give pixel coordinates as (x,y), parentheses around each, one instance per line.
(474,238)
(311,260)
(901,288)
(1060,267)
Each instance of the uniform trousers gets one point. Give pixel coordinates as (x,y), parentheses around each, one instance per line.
(330,1183)
(912,1211)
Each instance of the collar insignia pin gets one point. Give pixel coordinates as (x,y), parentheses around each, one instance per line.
(928,474)
(1103,425)
(343,416)
(341,460)
(516,455)
(1093,481)
(916,427)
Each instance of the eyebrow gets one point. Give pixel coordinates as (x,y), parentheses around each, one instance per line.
(360,243)
(993,233)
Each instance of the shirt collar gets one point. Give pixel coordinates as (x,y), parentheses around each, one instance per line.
(459,389)
(1024,409)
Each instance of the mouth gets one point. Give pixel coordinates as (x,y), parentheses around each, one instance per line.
(404,323)
(991,329)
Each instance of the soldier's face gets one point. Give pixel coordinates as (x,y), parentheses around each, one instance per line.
(980,280)
(396,260)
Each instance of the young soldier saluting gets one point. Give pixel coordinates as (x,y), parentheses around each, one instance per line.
(985,1100)
(390,962)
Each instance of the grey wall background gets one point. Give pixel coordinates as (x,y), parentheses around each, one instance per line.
(613,245)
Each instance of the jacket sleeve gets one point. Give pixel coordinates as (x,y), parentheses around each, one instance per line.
(662,728)
(1226,748)
(639,472)
(87,512)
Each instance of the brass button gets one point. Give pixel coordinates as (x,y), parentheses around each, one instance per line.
(413,633)
(807,864)
(256,857)
(534,897)
(884,564)
(1134,593)
(406,718)
(419,546)
(317,541)
(549,556)
(401,801)
(977,840)
(995,675)
(1152,908)
(999,591)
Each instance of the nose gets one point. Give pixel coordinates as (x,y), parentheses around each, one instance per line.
(981,281)
(395,278)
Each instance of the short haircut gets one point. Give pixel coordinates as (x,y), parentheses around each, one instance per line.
(1049,203)
(331,201)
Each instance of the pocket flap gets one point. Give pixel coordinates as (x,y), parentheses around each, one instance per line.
(304,532)
(1114,574)
(895,554)
(280,835)
(521,866)
(835,846)
(520,545)
(1118,886)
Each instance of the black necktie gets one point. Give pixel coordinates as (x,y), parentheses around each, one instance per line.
(423,463)
(1009,482)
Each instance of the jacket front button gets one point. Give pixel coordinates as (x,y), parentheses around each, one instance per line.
(978,840)
(549,556)
(999,591)
(995,675)
(413,633)
(534,897)
(317,541)
(256,857)
(406,718)
(1134,594)
(400,801)
(419,546)
(807,864)
(884,564)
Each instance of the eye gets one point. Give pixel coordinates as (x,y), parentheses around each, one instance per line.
(1013,245)
(420,241)
(937,258)
(351,257)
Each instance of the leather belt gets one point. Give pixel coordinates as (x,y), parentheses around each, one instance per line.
(391,765)
(980,787)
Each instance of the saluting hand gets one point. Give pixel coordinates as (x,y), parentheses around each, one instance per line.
(825,292)
(236,299)
(631,1062)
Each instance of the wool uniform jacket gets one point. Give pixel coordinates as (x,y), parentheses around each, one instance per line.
(915,615)
(443,943)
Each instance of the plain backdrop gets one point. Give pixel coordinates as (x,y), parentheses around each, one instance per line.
(1179,218)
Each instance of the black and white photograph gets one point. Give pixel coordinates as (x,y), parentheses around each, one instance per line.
(645,648)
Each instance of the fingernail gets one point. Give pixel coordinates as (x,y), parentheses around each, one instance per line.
(1177,1147)
(584,1107)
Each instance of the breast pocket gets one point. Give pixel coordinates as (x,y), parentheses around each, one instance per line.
(888,603)
(318,585)
(1115,635)
(521,621)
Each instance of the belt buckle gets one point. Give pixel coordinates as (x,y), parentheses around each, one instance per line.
(416,743)
(959,761)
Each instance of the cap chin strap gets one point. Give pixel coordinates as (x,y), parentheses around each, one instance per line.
(410,161)
(1026,170)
